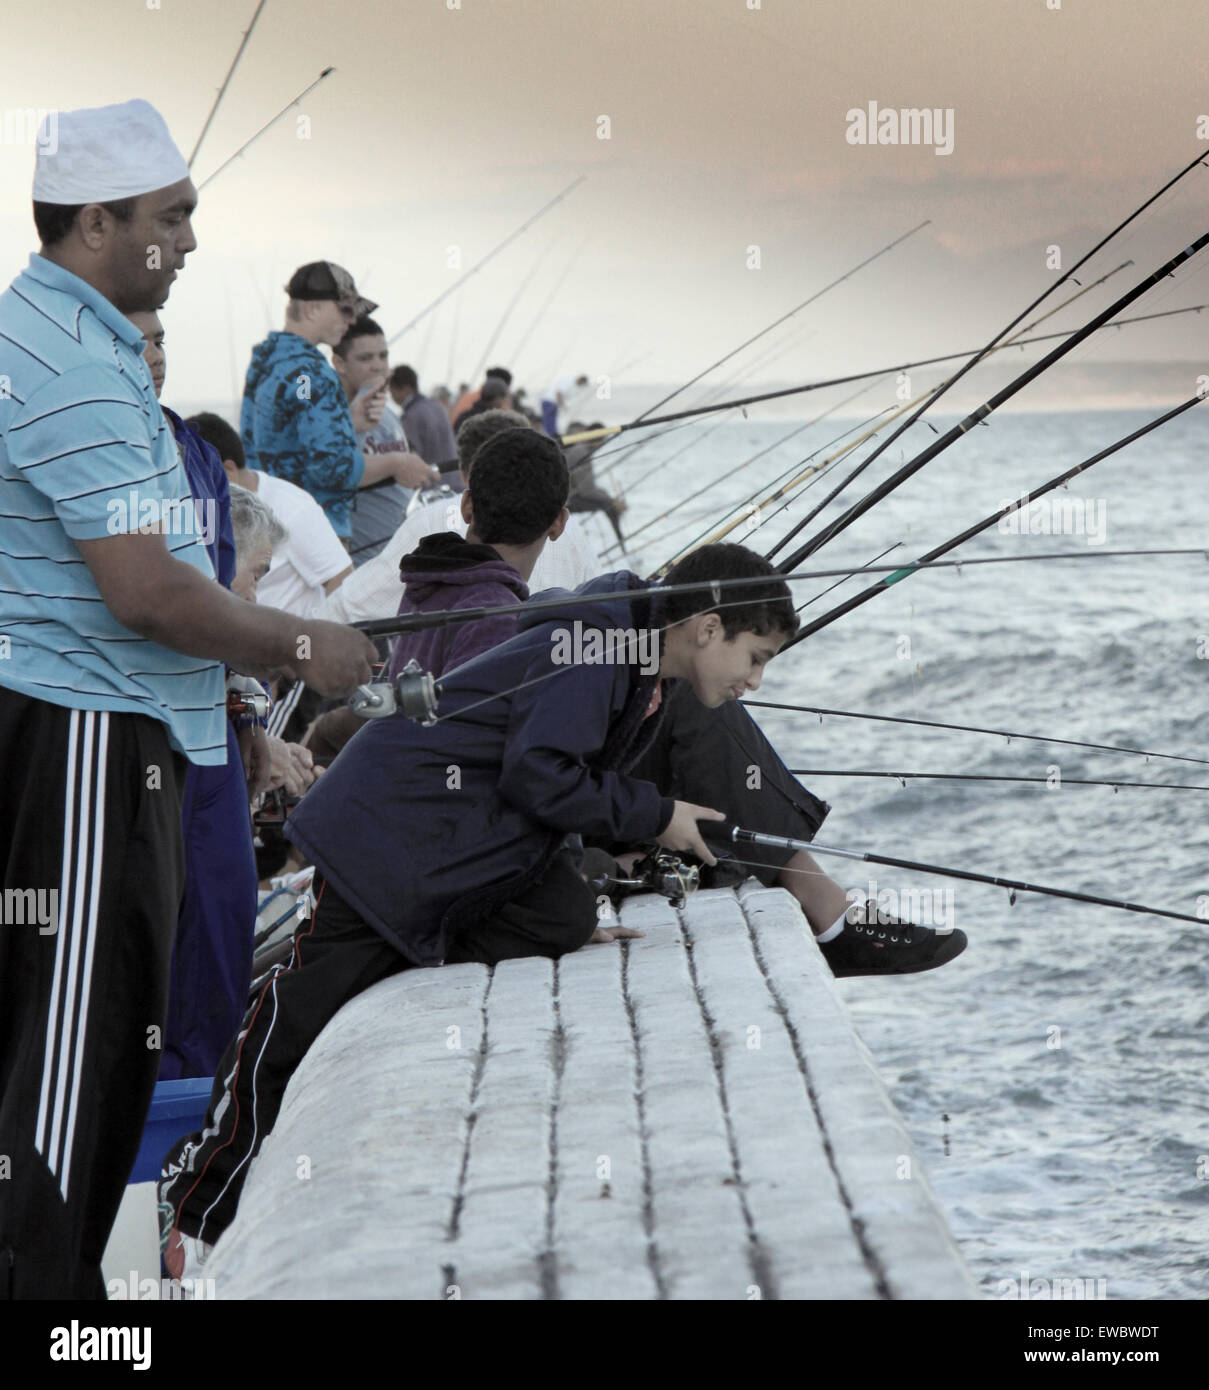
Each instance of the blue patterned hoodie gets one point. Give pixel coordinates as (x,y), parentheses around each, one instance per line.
(295,424)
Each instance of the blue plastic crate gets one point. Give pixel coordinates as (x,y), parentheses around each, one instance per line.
(177,1107)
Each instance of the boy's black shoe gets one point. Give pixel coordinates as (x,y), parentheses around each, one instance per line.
(875,944)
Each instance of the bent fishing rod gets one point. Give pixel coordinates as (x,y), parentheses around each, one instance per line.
(226,82)
(905,777)
(750,507)
(478,265)
(729,834)
(818,294)
(414,691)
(247,144)
(975,417)
(932,556)
(848,517)
(1008,734)
(610,431)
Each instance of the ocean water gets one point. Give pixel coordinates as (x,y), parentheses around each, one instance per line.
(1069,1046)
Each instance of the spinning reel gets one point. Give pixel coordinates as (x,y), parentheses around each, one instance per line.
(414,692)
(659,871)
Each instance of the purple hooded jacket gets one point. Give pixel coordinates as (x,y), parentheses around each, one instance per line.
(445,571)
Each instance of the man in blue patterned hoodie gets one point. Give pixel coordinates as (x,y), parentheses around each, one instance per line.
(296,422)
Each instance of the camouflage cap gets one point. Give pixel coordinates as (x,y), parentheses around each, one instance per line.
(327,280)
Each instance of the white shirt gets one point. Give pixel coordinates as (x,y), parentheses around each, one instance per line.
(375,590)
(310,556)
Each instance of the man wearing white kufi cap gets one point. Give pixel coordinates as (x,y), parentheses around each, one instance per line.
(112,648)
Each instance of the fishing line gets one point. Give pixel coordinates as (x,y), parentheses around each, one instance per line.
(1008,734)
(732,834)
(905,777)
(927,560)
(609,431)
(818,294)
(865,503)
(417,622)
(478,265)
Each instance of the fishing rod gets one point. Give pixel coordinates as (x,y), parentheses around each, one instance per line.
(327,72)
(725,833)
(247,34)
(478,265)
(845,520)
(931,557)
(818,294)
(512,303)
(746,509)
(414,691)
(730,472)
(912,466)
(924,396)
(418,622)
(1008,734)
(610,431)
(905,777)
(549,300)
(647,415)
(626,453)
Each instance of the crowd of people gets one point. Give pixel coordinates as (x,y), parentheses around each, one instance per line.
(177,641)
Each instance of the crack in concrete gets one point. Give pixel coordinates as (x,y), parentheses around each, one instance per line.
(653,1259)
(871,1260)
(480,1064)
(758,1258)
(547,1260)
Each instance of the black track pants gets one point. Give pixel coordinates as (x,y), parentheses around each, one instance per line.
(719,758)
(93,854)
(336,956)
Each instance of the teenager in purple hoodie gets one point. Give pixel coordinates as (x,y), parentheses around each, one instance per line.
(515,501)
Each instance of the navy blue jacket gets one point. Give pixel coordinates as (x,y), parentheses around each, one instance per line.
(426,831)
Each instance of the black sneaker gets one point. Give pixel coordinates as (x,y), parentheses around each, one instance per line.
(873,943)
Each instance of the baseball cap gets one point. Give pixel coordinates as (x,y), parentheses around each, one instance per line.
(327,280)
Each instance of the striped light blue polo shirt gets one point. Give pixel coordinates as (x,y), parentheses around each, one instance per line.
(85,453)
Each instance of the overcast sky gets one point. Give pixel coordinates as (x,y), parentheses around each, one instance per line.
(728,130)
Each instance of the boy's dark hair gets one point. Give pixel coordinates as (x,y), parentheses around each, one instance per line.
(476,430)
(364,327)
(224,437)
(54,220)
(759,608)
(518,486)
(405,377)
(502,372)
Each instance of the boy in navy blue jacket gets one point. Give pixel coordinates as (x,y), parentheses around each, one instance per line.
(448,843)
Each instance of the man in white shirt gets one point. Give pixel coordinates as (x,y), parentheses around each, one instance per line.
(374,590)
(312,561)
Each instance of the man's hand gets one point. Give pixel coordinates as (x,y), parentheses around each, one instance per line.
(291,767)
(618,933)
(257,760)
(333,659)
(367,405)
(682,834)
(410,470)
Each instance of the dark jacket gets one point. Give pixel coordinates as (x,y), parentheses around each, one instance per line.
(446,572)
(208,483)
(424,831)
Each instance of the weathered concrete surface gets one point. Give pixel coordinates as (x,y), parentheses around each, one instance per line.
(688,1116)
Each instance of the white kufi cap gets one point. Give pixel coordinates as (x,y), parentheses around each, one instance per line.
(102,153)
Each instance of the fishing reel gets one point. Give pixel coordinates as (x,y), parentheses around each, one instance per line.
(413,692)
(659,871)
(246,698)
(438,492)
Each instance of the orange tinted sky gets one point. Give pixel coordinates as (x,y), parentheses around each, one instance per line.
(449,127)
